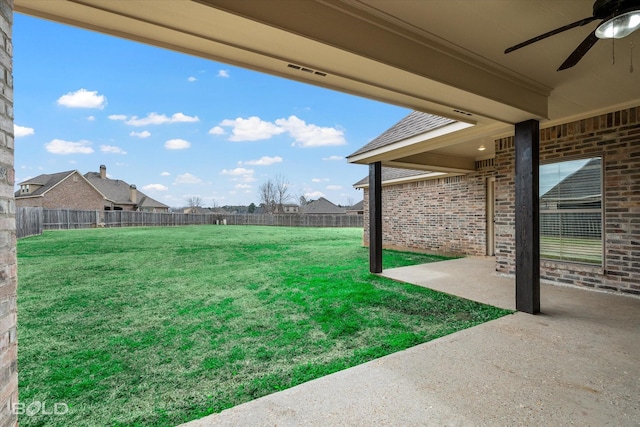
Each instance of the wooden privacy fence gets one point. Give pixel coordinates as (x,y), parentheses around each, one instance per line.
(29,222)
(296,220)
(32,221)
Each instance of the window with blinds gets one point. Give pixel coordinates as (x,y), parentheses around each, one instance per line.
(571,211)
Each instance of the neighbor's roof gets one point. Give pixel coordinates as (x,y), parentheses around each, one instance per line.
(118,191)
(415,123)
(322,206)
(115,190)
(392,174)
(357,207)
(148,202)
(582,185)
(48,181)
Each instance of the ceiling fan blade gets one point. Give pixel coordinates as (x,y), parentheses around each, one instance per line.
(580,51)
(579,23)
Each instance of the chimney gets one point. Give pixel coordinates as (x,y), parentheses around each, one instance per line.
(103,171)
(133,193)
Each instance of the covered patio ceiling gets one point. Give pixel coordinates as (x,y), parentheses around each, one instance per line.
(443,57)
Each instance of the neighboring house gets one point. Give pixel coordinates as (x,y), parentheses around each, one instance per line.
(322,206)
(290,208)
(469,208)
(197,210)
(357,209)
(91,191)
(62,190)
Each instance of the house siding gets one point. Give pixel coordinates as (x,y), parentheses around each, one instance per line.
(448,215)
(444,216)
(616,137)
(8,264)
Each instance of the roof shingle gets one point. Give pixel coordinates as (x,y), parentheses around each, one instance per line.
(415,123)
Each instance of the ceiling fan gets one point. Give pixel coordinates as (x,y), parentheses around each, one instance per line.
(619,19)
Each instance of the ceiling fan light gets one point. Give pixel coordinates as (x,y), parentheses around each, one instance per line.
(619,26)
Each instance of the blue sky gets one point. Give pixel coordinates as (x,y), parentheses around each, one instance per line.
(178,126)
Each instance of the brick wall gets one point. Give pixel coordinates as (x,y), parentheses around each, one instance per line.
(8,276)
(70,194)
(616,137)
(444,215)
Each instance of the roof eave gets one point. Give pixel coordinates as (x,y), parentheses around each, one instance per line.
(402,146)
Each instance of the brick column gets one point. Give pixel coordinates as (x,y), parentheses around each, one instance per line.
(8,277)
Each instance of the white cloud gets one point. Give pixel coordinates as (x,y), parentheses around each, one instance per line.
(83,98)
(242,174)
(223,73)
(334,187)
(155,187)
(117,117)
(333,158)
(313,195)
(143,134)
(304,135)
(159,119)
(243,186)
(59,146)
(310,135)
(319,179)
(187,178)
(263,161)
(165,174)
(22,131)
(112,149)
(216,130)
(91,118)
(177,144)
(191,79)
(251,129)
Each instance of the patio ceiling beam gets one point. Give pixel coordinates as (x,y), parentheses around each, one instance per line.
(447,76)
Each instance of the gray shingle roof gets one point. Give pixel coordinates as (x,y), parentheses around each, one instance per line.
(582,186)
(322,206)
(47,181)
(115,190)
(389,174)
(118,191)
(148,202)
(415,123)
(357,207)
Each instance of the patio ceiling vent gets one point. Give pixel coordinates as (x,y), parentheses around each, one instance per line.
(307,70)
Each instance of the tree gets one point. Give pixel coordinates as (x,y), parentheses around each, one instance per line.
(274,193)
(194,202)
(252,208)
(267,194)
(282,191)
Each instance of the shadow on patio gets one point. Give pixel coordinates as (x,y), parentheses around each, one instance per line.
(576,363)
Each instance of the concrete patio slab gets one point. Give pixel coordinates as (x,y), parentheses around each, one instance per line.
(574,364)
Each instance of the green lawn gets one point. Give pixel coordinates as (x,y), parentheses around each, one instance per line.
(158,326)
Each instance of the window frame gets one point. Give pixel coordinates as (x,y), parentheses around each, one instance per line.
(588,157)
